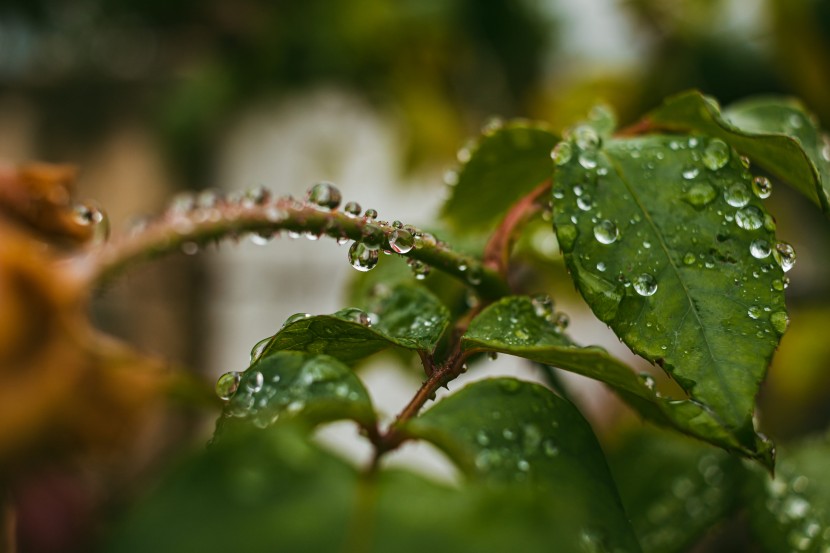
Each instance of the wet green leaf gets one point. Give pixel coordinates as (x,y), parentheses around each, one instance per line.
(289,384)
(497,170)
(513,326)
(669,246)
(791,512)
(273,490)
(674,490)
(778,134)
(505,432)
(405,316)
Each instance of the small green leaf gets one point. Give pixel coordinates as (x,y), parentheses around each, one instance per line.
(674,252)
(778,134)
(675,490)
(513,326)
(505,432)
(791,512)
(405,316)
(504,165)
(288,384)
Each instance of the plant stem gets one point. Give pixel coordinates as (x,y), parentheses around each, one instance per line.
(189,229)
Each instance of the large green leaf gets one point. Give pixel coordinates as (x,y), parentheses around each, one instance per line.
(508,432)
(791,512)
(779,134)
(667,245)
(272,490)
(288,384)
(405,316)
(516,326)
(675,490)
(504,165)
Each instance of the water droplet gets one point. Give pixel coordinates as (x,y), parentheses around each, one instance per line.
(648,381)
(745,163)
(785,256)
(261,238)
(542,305)
(189,248)
(560,322)
(586,137)
(352,209)
(780,321)
(606,232)
(567,237)
(749,218)
(258,195)
(689,258)
(690,172)
(645,285)
(585,202)
(227,385)
(754,312)
(86,214)
(424,239)
(363,258)
(561,153)
(401,241)
(588,159)
(601,267)
(549,448)
(419,269)
(356,316)
(737,195)
(371,214)
(482,439)
(372,236)
(254,382)
(762,187)
(760,249)
(259,347)
(700,194)
(296,317)
(716,154)
(325,195)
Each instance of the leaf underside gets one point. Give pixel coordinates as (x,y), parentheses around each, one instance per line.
(660,249)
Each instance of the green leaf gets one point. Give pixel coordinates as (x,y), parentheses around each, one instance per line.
(675,490)
(273,490)
(791,512)
(516,326)
(504,165)
(406,316)
(288,384)
(659,239)
(512,433)
(778,134)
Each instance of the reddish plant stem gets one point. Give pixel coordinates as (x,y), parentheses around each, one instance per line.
(497,250)
(642,126)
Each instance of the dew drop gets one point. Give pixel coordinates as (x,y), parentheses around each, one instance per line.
(356,316)
(749,218)
(258,195)
(259,347)
(645,285)
(586,137)
(424,239)
(762,187)
(325,195)
(716,154)
(561,322)
(784,255)
(601,267)
(401,241)
(691,172)
(362,257)
(296,317)
(372,236)
(371,214)
(588,159)
(419,269)
(227,385)
(606,232)
(549,447)
(585,202)
(561,153)
(689,258)
(754,312)
(760,249)
(780,321)
(87,215)
(542,305)
(567,237)
(352,209)
(648,381)
(700,194)
(254,382)
(737,195)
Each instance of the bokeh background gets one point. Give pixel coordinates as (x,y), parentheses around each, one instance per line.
(153,97)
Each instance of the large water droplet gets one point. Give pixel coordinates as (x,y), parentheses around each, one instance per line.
(371,214)
(586,137)
(542,305)
(325,195)
(785,256)
(754,312)
(716,154)
(762,187)
(760,249)
(356,316)
(780,321)
(561,153)
(606,232)
(588,159)
(259,347)
(749,218)
(401,241)
(700,194)
(362,257)
(227,385)
(254,382)
(737,195)
(645,285)
(690,172)
(296,317)
(352,209)
(585,202)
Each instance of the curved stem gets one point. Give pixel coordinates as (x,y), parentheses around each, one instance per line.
(191,228)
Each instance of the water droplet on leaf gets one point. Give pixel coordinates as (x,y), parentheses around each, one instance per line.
(645,285)
(716,154)
(561,153)
(700,194)
(737,195)
(227,385)
(606,232)
(749,218)
(401,241)
(785,256)
(780,321)
(760,249)
(762,187)
(362,257)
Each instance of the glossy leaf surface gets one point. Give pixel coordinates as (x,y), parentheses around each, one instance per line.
(405,316)
(288,384)
(778,134)
(502,166)
(513,326)
(672,250)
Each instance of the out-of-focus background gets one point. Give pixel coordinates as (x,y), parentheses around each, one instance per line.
(151,97)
